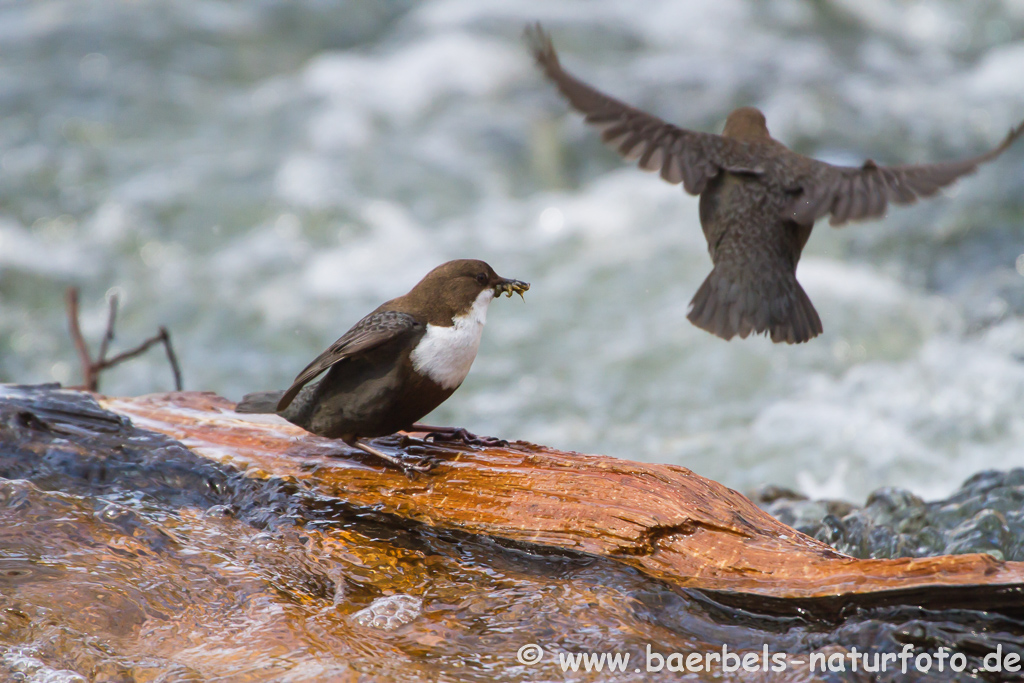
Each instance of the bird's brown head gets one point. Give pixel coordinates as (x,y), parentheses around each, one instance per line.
(453,288)
(746,123)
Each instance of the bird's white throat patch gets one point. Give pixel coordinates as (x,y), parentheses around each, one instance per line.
(445,354)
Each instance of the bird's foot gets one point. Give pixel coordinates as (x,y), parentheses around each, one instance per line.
(458,434)
(423,464)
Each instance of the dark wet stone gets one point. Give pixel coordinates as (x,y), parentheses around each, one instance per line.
(771,493)
(794,509)
(986,515)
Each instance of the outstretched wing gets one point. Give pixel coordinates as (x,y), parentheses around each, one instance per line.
(850,193)
(372,331)
(680,155)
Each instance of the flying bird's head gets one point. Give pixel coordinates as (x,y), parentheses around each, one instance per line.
(454,288)
(746,123)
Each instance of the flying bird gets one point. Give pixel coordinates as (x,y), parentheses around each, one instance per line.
(396,364)
(758,200)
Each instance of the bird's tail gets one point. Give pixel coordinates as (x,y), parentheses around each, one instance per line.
(728,306)
(259,402)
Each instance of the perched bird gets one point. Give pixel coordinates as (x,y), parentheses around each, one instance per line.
(758,200)
(395,365)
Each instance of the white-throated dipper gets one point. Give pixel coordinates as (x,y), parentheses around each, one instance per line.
(758,200)
(395,365)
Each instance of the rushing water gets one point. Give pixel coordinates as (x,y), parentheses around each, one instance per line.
(257,176)
(126,557)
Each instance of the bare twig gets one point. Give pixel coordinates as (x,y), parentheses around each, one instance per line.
(172,358)
(164,338)
(89,379)
(108,336)
(91,369)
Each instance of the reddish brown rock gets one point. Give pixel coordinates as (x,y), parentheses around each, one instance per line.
(662,519)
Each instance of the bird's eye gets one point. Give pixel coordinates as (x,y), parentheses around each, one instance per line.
(482,278)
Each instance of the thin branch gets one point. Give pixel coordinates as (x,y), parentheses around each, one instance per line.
(89,379)
(91,369)
(172,358)
(130,353)
(108,336)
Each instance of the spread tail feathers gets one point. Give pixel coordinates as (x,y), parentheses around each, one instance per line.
(777,306)
(259,402)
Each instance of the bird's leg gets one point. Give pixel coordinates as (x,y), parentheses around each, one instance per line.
(457,434)
(405,467)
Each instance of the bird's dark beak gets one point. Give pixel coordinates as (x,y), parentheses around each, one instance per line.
(510,287)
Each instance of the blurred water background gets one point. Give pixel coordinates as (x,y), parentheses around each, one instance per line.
(257,176)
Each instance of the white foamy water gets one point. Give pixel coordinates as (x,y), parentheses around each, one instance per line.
(259,176)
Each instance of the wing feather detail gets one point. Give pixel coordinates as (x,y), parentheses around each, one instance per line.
(677,154)
(374,330)
(856,193)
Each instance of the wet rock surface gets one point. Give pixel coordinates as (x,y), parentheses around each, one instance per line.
(986,515)
(667,521)
(128,557)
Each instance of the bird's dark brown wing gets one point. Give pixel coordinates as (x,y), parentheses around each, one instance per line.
(850,193)
(680,155)
(369,333)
